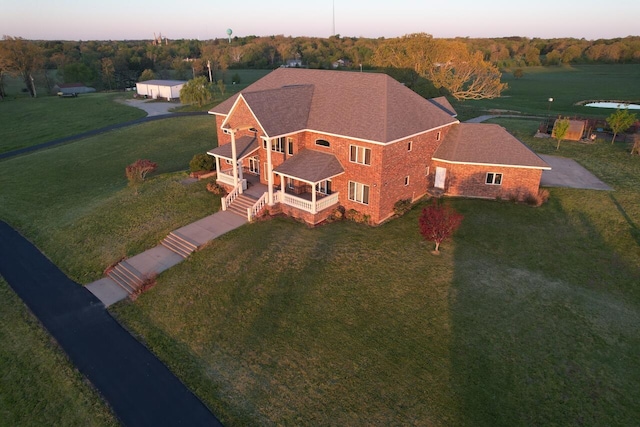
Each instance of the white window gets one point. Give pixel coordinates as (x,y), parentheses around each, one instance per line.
(494,178)
(226,130)
(438,135)
(360,155)
(406,180)
(409,145)
(290,183)
(359,192)
(323,142)
(254,165)
(290,146)
(277,145)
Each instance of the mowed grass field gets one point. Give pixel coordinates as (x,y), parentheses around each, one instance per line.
(530,317)
(566,85)
(26,122)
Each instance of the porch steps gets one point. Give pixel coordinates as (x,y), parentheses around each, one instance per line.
(179,244)
(240,205)
(126,276)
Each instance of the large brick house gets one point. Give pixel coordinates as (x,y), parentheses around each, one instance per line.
(321,139)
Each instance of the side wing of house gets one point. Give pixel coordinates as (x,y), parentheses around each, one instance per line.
(486,161)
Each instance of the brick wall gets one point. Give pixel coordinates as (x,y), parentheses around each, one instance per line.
(470,181)
(399,163)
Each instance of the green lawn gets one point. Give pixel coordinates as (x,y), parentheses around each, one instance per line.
(530,317)
(73,202)
(566,85)
(25,121)
(38,384)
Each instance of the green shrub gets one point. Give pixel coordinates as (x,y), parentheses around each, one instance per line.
(356,216)
(202,162)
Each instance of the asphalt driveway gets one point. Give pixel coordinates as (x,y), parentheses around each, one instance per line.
(139,388)
(568,173)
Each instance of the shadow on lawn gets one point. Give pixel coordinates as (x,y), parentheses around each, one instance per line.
(544,328)
(634,230)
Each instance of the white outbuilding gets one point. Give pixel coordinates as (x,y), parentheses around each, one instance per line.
(154,89)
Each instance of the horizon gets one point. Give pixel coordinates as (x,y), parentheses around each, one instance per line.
(64,21)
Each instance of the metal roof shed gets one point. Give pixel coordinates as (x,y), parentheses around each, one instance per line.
(169,89)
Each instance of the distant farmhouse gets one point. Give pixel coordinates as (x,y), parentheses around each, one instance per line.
(318,140)
(164,89)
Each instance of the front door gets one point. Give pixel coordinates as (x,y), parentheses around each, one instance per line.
(441,174)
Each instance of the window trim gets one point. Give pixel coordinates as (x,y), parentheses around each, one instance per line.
(290,146)
(493,178)
(410,146)
(360,154)
(358,192)
(438,136)
(406,180)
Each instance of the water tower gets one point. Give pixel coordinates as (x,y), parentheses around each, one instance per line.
(229,32)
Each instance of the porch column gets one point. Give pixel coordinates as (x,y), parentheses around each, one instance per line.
(269,174)
(217,165)
(283,187)
(234,159)
(240,171)
(313,198)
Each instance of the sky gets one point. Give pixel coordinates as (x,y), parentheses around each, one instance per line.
(209,19)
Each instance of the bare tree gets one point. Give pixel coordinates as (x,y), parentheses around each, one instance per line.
(447,64)
(108,70)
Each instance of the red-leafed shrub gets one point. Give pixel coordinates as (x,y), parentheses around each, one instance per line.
(137,171)
(439,222)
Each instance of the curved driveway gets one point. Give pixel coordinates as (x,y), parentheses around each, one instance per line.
(139,388)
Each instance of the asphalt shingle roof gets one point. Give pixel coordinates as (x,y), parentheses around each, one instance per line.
(244,146)
(489,144)
(311,166)
(368,106)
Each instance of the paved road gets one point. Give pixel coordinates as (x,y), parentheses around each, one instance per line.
(140,389)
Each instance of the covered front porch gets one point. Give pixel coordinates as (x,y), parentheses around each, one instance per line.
(230,158)
(305,181)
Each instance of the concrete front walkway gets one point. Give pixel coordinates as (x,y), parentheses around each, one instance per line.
(156,260)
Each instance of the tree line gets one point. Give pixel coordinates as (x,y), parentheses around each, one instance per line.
(110,65)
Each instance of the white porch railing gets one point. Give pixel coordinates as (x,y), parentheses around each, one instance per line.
(225,176)
(326,201)
(252,212)
(307,205)
(229,198)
